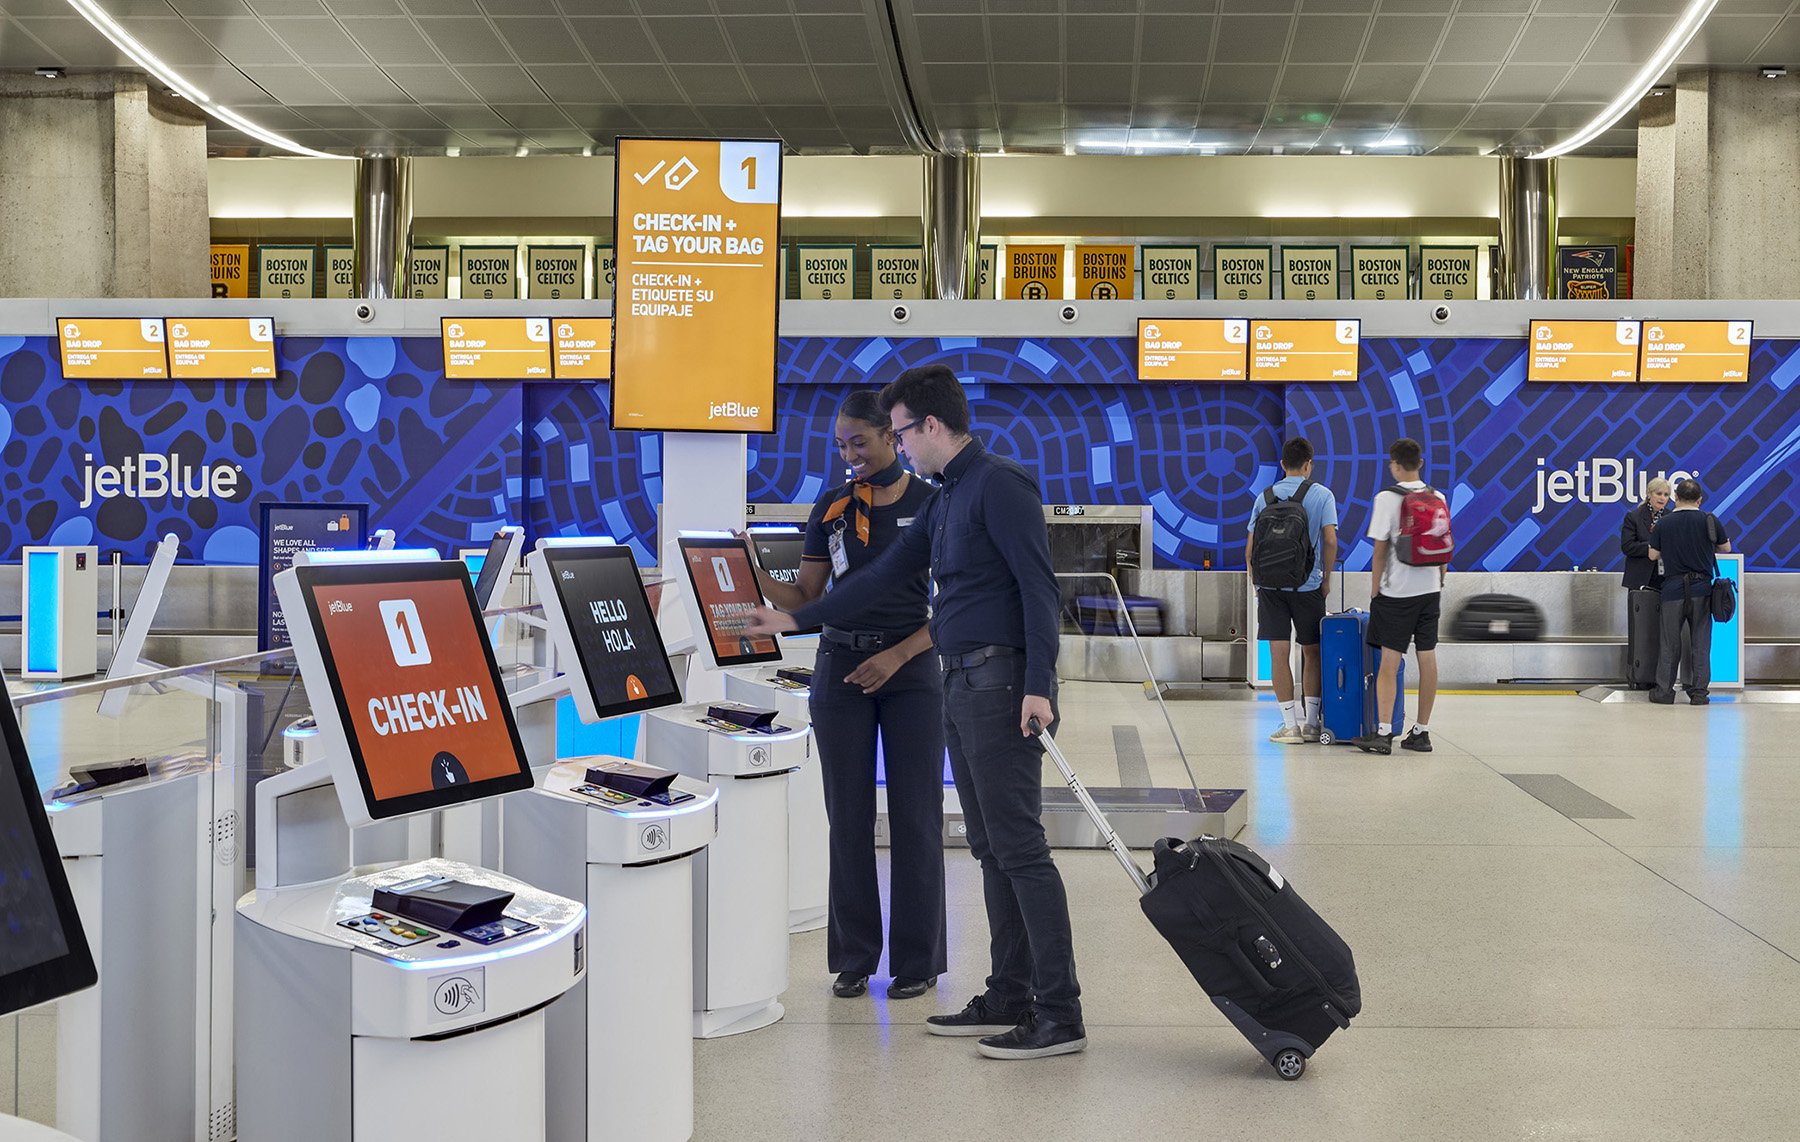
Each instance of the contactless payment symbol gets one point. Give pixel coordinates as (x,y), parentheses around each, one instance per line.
(654,837)
(406,635)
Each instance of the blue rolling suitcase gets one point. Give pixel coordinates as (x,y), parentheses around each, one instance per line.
(1347,666)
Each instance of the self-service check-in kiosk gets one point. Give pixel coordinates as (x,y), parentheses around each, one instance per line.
(741,880)
(364,993)
(623,839)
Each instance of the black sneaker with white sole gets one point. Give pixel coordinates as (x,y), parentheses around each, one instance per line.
(1374,743)
(975,1019)
(1035,1038)
(1419,741)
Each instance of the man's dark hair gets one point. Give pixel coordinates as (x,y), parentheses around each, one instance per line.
(930,390)
(865,405)
(1407,453)
(1295,453)
(1689,491)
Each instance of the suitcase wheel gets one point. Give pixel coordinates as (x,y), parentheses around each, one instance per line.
(1325,737)
(1289,1064)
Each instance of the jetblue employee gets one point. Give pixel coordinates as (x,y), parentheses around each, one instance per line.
(872,676)
(995,623)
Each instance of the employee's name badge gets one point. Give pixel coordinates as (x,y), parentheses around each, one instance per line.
(840,559)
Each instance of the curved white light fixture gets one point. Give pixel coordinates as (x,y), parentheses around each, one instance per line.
(1673,45)
(144,58)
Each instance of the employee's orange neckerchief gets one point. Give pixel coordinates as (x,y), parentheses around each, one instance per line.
(861,495)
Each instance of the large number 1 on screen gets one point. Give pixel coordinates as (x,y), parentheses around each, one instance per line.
(748,166)
(412,650)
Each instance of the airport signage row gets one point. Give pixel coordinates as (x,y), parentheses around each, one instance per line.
(1628,352)
(1269,351)
(161,349)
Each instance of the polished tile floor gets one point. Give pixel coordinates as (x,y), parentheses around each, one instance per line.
(1525,974)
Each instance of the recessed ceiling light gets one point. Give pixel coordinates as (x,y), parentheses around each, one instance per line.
(1680,35)
(1769,71)
(1345,151)
(1658,92)
(50,72)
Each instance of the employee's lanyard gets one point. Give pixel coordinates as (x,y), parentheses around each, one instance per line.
(858,498)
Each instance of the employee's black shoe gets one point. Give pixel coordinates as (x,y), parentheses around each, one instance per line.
(975,1019)
(1699,700)
(1035,1038)
(1663,697)
(1419,741)
(849,985)
(1374,743)
(904,988)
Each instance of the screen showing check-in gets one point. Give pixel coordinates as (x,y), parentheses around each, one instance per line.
(112,348)
(1584,352)
(222,348)
(1305,350)
(497,348)
(612,628)
(725,588)
(781,550)
(1193,348)
(1697,352)
(583,348)
(418,695)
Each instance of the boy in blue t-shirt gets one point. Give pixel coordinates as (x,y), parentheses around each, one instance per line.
(1294,613)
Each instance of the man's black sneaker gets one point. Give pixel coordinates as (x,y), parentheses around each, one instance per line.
(1035,1038)
(905,988)
(1374,743)
(975,1019)
(1699,699)
(1663,697)
(1418,741)
(849,985)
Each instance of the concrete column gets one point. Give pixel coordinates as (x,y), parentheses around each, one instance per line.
(102,189)
(1527,228)
(1652,263)
(382,226)
(952,225)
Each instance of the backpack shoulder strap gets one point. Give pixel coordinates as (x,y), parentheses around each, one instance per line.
(1398,490)
(1299,495)
(1270,499)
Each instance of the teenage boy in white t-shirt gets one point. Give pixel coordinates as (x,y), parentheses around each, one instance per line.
(1403,608)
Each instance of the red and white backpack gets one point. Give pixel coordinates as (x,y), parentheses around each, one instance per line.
(1424,537)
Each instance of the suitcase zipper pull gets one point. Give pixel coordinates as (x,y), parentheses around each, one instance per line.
(1270,954)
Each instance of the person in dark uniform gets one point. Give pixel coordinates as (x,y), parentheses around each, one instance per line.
(1687,542)
(1634,537)
(873,677)
(995,622)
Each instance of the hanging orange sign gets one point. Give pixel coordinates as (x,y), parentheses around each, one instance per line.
(1192,348)
(1700,352)
(221,348)
(112,348)
(1305,350)
(1587,352)
(583,348)
(496,348)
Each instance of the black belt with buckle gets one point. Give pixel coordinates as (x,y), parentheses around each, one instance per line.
(978,656)
(855,639)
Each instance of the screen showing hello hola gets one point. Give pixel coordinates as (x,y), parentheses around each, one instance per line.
(615,630)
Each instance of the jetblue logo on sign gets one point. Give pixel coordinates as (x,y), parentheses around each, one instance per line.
(149,476)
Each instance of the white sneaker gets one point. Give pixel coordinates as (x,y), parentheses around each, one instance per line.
(1309,733)
(1288,735)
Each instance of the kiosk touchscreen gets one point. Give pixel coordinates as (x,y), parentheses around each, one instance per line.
(43,951)
(497,565)
(606,626)
(725,591)
(781,550)
(417,718)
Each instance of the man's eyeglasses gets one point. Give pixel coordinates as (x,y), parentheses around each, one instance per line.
(902,429)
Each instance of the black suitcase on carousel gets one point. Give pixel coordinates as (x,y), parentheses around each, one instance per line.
(1498,618)
(1100,614)
(1277,971)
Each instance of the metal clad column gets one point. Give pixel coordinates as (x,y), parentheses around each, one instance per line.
(1527,228)
(952,225)
(383,225)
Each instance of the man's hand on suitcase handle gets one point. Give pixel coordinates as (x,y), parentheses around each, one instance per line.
(1034,714)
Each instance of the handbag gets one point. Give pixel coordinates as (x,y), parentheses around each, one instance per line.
(1724,591)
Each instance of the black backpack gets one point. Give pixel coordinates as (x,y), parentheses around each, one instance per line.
(1281,547)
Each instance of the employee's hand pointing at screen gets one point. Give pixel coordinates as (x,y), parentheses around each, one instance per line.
(767,620)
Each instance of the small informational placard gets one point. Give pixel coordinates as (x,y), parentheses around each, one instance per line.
(1034,273)
(221,348)
(1587,273)
(1193,348)
(112,348)
(1171,273)
(1584,352)
(287,530)
(490,271)
(603,268)
(896,273)
(1103,273)
(1379,273)
(1242,273)
(984,279)
(1309,273)
(285,271)
(1287,351)
(583,348)
(1449,273)
(1698,352)
(340,271)
(430,272)
(553,273)
(497,348)
(231,270)
(827,273)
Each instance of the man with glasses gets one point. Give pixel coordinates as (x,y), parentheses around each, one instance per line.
(995,622)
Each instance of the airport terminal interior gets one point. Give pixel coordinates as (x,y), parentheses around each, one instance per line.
(434,434)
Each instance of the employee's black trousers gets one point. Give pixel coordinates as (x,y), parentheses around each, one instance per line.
(1000,781)
(907,715)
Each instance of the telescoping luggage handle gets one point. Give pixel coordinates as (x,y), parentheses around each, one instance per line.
(1093,811)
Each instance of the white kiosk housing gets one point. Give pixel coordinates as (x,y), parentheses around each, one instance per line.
(621,838)
(360,989)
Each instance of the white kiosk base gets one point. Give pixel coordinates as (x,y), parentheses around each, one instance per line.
(809,830)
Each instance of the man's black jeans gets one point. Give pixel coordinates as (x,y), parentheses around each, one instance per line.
(1692,647)
(999,778)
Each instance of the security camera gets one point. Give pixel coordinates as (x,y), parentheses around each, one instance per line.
(1068,313)
(902,314)
(365,312)
(1440,313)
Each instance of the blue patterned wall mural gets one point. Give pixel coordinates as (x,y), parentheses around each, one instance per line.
(443,463)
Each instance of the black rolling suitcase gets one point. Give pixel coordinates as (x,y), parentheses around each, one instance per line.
(1498,618)
(1643,637)
(1278,972)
